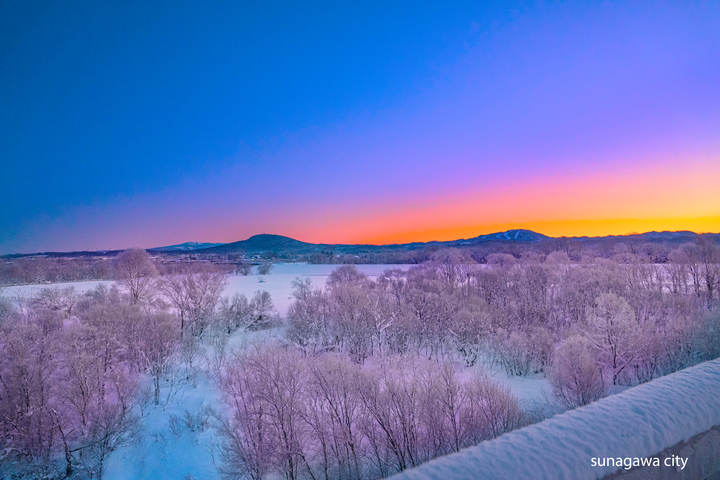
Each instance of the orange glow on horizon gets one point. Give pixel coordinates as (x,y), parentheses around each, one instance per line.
(672,196)
(559,228)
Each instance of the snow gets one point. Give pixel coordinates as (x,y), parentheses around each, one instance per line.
(188,449)
(30,290)
(158,451)
(278,283)
(532,391)
(639,422)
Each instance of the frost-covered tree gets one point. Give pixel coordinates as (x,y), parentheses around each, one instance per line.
(614,333)
(262,308)
(158,343)
(264,268)
(575,374)
(194,295)
(66,391)
(135,270)
(236,313)
(266,432)
(309,318)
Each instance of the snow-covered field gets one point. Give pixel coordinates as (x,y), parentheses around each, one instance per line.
(278,283)
(178,440)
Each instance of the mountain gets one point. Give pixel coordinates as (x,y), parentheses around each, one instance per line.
(289,248)
(278,244)
(668,238)
(518,235)
(265,242)
(186,247)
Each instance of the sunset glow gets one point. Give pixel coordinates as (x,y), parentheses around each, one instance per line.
(337,124)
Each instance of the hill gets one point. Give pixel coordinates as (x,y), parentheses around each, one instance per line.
(186,247)
(510,241)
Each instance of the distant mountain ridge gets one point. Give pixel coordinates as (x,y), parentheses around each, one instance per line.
(517,235)
(269,243)
(186,247)
(265,243)
(282,245)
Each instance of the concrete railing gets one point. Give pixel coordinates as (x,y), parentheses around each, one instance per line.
(703,461)
(671,422)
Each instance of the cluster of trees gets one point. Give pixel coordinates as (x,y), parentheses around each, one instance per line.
(364,385)
(633,320)
(39,270)
(325,417)
(68,381)
(71,365)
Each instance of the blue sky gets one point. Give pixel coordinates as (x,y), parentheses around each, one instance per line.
(152,123)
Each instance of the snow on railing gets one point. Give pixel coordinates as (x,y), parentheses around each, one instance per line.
(636,424)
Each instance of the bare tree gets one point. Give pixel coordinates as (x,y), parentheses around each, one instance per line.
(492,409)
(159,340)
(28,394)
(308,317)
(135,270)
(95,416)
(614,333)
(334,414)
(263,310)
(195,295)
(264,389)
(236,312)
(264,268)
(710,255)
(244,268)
(575,373)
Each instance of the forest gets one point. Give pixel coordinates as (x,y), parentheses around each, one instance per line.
(362,378)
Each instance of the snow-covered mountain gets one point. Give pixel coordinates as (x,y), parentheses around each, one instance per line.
(518,235)
(186,247)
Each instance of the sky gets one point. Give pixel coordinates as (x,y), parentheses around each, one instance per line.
(143,124)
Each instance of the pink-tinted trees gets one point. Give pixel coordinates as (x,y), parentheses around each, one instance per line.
(194,295)
(328,417)
(575,373)
(265,432)
(95,413)
(614,333)
(309,318)
(158,342)
(236,313)
(67,389)
(28,394)
(135,270)
(333,411)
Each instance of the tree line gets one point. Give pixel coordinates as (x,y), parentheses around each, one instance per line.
(632,321)
(78,371)
(369,377)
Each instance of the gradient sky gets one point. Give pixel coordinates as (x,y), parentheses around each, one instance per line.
(153,123)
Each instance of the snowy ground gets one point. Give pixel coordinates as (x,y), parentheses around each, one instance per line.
(278,283)
(188,450)
(177,439)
